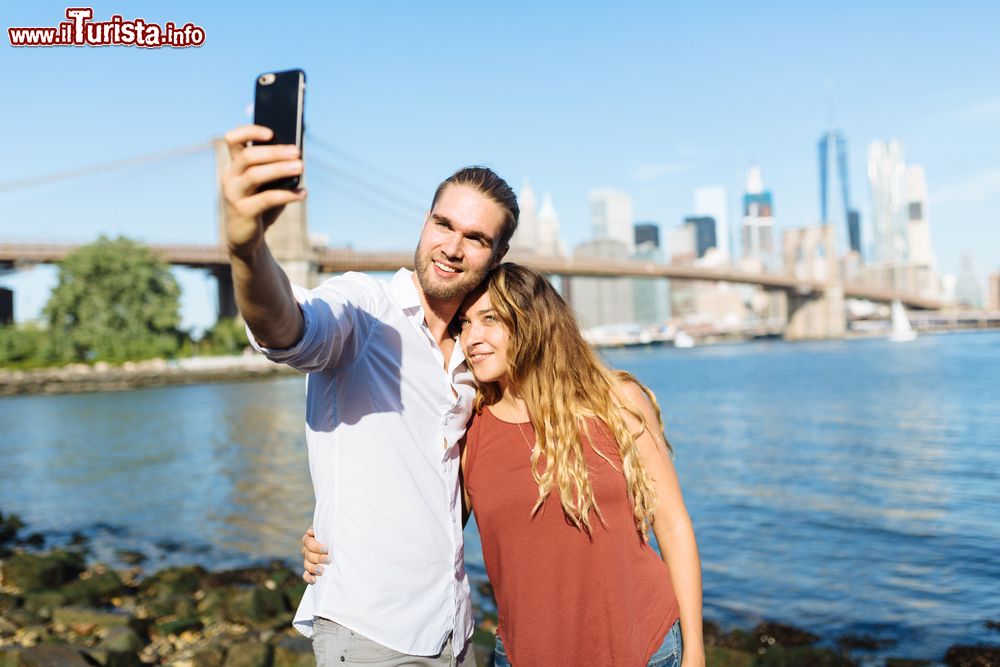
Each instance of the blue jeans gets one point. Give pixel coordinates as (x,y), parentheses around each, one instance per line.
(668,655)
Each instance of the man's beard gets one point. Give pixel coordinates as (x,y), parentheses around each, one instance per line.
(467,281)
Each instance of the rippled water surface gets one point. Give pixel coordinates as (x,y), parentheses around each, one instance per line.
(847,487)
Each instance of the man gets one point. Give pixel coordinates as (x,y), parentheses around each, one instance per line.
(388,398)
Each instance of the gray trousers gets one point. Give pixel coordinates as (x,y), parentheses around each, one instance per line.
(335,645)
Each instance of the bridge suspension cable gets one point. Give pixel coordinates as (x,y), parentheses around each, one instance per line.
(382,174)
(54,177)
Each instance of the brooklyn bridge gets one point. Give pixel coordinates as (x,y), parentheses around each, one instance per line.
(815,297)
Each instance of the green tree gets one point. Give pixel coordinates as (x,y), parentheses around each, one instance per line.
(115,301)
(228,336)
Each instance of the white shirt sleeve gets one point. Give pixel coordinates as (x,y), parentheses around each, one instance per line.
(338,316)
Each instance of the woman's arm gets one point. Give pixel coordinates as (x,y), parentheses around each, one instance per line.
(671,523)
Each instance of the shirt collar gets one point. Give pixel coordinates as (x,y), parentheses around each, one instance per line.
(404,291)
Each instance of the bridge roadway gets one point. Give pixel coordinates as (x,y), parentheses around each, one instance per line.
(337,260)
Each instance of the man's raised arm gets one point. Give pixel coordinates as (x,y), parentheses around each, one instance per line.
(263,293)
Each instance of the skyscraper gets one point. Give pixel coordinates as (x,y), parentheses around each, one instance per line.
(647,234)
(525,239)
(549,242)
(830,142)
(651,295)
(611,216)
(758,223)
(602,301)
(918,225)
(704,233)
(886,179)
(711,202)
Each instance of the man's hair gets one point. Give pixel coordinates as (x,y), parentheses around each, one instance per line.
(485,181)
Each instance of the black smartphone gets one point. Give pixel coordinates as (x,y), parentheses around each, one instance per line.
(279,103)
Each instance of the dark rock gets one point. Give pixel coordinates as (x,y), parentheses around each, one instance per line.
(254,605)
(42,604)
(739,640)
(93,590)
(82,617)
(801,656)
(865,642)
(158,607)
(22,618)
(249,653)
(783,635)
(212,608)
(122,639)
(35,634)
(78,539)
(972,656)
(209,655)
(245,575)
(173,581)
(719,656)
(33,572)
(53,656)
(991,625)
(35,540)
(8,602)
(175,625)
(9,525)
(294,592)
(170,546)
(293,652)
(130,557)
(906,662)
(10,656)
(107,658)
(7,628)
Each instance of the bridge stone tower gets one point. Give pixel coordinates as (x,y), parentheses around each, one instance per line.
(811,253)
(288,239)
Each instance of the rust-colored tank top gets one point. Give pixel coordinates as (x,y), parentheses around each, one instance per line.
(563,597)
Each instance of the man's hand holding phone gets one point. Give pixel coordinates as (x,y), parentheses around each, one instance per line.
(249,209)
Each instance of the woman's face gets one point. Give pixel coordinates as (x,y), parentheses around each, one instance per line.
(484,339)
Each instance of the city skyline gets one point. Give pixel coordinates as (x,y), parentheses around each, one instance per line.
(633,99)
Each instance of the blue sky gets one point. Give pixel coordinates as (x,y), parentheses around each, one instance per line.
(653,98)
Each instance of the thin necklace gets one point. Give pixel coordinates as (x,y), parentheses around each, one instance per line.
(531,448)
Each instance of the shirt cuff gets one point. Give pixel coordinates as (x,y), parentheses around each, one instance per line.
(284,355)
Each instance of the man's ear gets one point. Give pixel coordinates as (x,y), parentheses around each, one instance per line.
(499,256)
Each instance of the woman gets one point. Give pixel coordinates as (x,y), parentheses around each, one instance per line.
(566,469)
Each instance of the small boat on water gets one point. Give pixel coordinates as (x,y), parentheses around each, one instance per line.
(683,340)
(902,332)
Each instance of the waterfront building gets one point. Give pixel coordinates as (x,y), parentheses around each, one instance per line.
(611,216)
(890,242)
(704,233)
(647,233)
(651,295)
(993,292)
(758,224)
(525,239)
(712,202)
(548,242)
(602,301)
(833,146)
(968,292)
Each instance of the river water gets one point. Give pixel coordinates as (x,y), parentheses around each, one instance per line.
(847,487)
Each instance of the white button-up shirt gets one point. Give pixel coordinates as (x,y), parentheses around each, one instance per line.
(383,421)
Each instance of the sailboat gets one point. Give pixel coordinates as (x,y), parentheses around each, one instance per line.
(902,332)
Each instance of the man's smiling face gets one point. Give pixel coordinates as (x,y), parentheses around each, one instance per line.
(456,247)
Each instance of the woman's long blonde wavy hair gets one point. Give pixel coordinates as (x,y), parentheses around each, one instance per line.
(563,382)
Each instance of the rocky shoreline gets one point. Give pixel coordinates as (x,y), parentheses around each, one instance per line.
(80,378)
(57,608)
